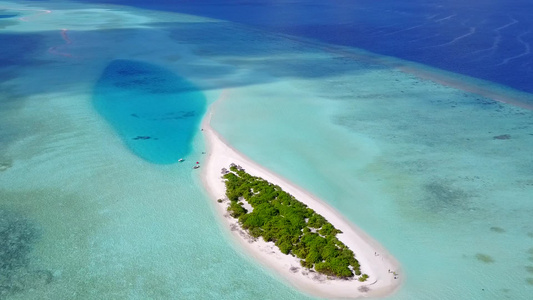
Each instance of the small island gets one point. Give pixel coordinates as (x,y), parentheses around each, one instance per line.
(286,229)
(296,230)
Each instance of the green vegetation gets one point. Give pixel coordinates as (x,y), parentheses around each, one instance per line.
(296,229)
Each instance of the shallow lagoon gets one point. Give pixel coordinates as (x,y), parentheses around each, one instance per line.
(154,111)
(425,174)
(110,224)
(427,178)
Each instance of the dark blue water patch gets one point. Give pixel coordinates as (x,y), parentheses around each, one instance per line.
(491,40)
(154,111)
(20,49)
(7,16)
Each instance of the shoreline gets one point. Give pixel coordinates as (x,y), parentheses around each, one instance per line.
(373,258)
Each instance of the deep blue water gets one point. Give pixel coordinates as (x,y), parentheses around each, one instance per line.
(154,111)
(487,39)
(7,16)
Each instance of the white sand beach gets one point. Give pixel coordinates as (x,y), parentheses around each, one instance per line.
(373,258)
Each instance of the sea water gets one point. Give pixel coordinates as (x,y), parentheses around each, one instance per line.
(154,111)
(485,39)
(439,176)
(87,213)
(424,175)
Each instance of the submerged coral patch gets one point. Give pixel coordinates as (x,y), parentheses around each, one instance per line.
(484,258)
(502,137)
(17,238)
(17,235)
(4,165)
(497,229)
(444,197)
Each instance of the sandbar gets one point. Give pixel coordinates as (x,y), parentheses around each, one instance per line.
(385,275)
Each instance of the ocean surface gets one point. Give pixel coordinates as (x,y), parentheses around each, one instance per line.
(484,39)
(99,100)
(153,110)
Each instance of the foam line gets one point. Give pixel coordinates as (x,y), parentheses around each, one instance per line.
(470,32)
(527,49)
(446,18)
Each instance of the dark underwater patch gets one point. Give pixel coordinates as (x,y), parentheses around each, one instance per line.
(502,137)
(19,49)
(144,78)
(7,16)
(4,23)
(497,229)
(484,258)
(17,238)
(5,164)
(444,197)
(17,235)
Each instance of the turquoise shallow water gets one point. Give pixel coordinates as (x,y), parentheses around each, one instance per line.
(426,175)
(440,177)
(154,111)
(86,212)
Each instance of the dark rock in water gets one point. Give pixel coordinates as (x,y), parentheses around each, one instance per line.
(502,137)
